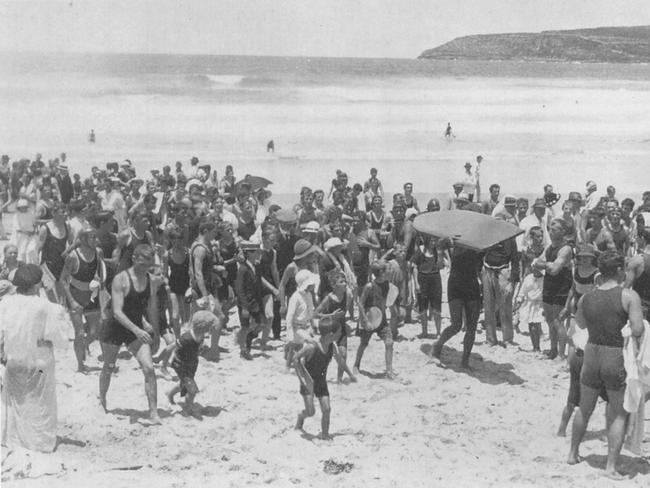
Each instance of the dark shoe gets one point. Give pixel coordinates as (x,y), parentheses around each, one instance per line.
(246,355)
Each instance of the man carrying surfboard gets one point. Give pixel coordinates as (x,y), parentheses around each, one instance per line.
(372,317)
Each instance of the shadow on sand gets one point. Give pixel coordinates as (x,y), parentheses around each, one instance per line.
(484,370)
(70,442)
(136,415)
(627,465)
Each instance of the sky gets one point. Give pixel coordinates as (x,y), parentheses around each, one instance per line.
(333,28)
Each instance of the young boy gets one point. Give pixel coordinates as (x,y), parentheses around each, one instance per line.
(317,360)
(185,357)
(374,294)
(529,305)
(332,308)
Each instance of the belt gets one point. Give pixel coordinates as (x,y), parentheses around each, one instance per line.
(496,268)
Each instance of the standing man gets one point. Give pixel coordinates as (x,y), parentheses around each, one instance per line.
(500,275)
(248,288)
(558,279)
(488,206)
(204,280)
(469,181)
(134,296)
(638,271)
(535,219)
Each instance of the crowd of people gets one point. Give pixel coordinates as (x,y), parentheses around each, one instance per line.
(140,262)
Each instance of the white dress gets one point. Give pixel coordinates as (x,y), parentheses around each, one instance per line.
(531,310)
(29,410)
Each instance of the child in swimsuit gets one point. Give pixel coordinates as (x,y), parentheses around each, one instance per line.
(185,356)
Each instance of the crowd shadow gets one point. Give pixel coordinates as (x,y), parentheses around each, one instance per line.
(627,465)
(484,370)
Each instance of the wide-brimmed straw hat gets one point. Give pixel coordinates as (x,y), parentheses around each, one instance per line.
(302,248)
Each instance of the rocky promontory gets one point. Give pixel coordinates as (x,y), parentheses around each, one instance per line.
(598,45)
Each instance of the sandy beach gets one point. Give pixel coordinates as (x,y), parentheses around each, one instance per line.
(432,426)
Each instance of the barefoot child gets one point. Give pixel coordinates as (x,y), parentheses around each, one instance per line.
(316,362)
(333,308)
(529,305)
(185,357)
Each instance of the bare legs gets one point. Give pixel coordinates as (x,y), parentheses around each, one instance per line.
(310,410)
(616,423)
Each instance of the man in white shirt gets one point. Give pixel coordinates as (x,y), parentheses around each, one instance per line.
(535,219)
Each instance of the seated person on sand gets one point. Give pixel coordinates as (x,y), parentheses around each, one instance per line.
(185,356)
(316,362)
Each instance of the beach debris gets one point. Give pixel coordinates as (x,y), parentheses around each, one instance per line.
(330,466)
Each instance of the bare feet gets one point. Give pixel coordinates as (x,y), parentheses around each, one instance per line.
(614,475)
(356,371)
(573,459)
(82,368)
(391,375)
(102,401)
(325,436)
(353,379)
(299,422)
(154,419)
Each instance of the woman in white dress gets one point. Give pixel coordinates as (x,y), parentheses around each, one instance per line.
(31,328)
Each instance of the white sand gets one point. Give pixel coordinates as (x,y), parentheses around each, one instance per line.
(430,427)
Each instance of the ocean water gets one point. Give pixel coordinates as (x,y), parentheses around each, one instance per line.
(534,123)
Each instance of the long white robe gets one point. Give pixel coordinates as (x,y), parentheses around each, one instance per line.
(29,410)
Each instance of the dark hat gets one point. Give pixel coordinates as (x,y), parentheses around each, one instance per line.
(286,216)
(575,196)
(194,160)
(27,276)
(539,203)
(552,198)
(468,164)
(509,201)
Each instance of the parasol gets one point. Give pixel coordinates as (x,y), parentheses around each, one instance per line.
(256,182)
(473,230)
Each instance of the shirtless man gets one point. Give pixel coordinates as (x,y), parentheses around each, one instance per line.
(80,282)
(134,296)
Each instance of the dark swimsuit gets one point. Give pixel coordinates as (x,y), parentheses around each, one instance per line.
(85,274)
(52,254)
(135,306)
(179,275)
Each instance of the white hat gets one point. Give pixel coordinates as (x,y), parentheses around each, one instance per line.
(333,242)
(311,227)
(304,278)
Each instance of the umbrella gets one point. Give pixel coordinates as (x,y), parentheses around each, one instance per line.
(468,229)
(256,182)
